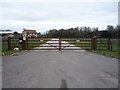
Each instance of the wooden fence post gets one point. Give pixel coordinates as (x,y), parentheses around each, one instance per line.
(24,45)
(9,43)
(94,43)
(59,44)
(109,44)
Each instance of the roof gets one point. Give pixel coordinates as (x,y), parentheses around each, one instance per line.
(8,35)
(29,31)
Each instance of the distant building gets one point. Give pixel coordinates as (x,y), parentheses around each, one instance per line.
(10,35)
(6,33)
(16,34)
(29,33)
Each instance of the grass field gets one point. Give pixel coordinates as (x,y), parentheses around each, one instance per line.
(114,53)
(115,47)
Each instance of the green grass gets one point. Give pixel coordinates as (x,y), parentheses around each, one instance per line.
(115,48)
(114,53)
(108,53)
(8,52)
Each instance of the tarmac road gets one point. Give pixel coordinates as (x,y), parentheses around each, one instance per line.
(59,69)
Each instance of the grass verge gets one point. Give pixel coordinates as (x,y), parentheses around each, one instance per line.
(114,53)
(8,52)
(107,53)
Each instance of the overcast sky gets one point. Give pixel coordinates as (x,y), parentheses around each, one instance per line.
(43,15)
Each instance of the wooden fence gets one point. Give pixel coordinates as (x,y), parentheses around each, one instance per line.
(84,43)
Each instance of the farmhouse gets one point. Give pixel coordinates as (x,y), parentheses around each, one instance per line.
(29,33)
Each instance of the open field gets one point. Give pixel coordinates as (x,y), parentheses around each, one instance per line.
(115,50)
(115,47)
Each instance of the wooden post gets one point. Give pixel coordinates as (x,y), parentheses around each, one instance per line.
(9,43)
(59,44)
(109,44)
(24,45)
(94,43)
(27,43)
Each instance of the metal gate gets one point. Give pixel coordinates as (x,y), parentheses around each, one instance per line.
(48,43)
(68,43)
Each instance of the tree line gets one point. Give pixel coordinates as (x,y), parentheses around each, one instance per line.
(110,32)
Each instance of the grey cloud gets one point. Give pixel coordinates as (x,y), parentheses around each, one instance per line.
(92,13)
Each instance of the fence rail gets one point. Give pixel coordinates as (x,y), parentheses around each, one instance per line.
(84,43)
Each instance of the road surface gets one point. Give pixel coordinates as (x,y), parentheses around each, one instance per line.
(60,69)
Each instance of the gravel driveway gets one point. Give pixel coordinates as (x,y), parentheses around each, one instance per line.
(60,69)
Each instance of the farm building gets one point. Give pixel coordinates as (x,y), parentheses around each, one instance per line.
(29,33)
(7,35)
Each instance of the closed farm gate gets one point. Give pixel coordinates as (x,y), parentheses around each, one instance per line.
(45,43)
